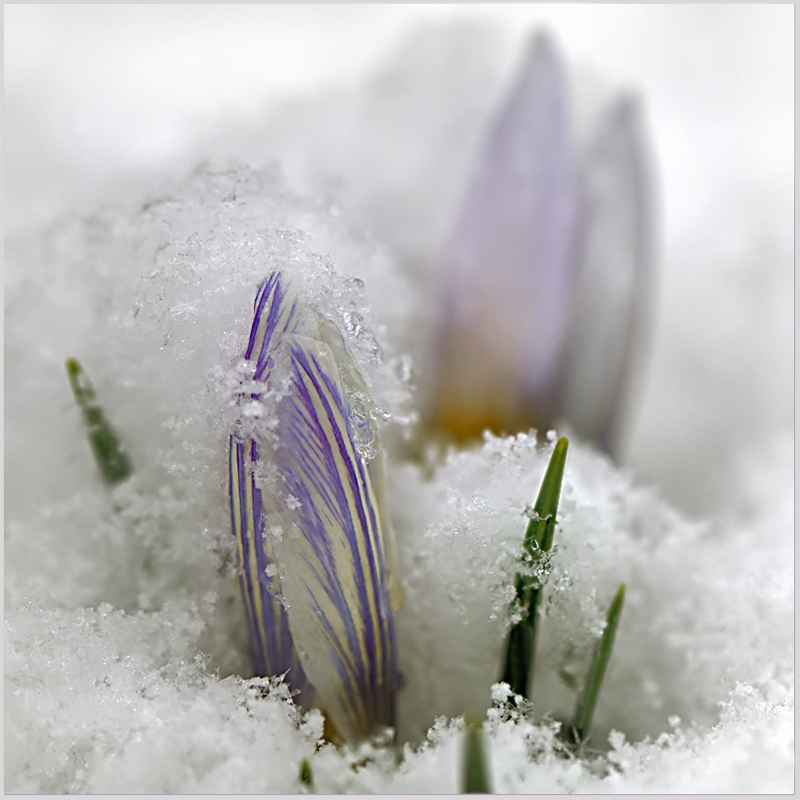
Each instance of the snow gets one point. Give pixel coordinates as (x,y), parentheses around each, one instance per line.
(126,654)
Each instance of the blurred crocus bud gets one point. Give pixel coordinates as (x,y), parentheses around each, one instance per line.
(611,302)
(545,277)
(312,547)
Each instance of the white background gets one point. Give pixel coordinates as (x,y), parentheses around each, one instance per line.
(96,89)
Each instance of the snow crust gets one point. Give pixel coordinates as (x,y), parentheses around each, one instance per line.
(126,656)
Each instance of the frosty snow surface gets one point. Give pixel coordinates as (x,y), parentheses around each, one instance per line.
(126,638)
(127,660)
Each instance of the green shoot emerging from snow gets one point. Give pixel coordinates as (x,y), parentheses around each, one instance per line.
(602,653)
(521,644)
(475,775)
(305,775)
(113,463)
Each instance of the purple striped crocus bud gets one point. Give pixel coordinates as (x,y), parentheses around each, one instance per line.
(543,279)
(312,545)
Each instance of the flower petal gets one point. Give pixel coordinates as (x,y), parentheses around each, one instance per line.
(509,272)
(271,640)
(610,304)
(306,512)
(332,552)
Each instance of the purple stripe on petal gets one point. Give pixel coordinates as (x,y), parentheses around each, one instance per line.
(234,486)
(273,318)
(264,293)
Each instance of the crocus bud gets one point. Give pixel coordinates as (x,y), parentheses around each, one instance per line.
(610,304)
(543,279)
(310,538)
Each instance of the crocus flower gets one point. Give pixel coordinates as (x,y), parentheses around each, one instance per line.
(312,546)
(546,275)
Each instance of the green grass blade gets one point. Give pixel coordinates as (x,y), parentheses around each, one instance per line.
(114,464)
(475,776)
(542,527)
(306,776)
(521,644)
(587,700)
(520,650)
